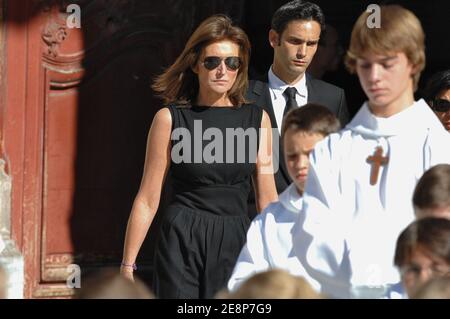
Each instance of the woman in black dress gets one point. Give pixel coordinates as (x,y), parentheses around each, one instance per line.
(215,144)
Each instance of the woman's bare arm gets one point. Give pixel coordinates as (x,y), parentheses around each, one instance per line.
(263,180)
(157,162)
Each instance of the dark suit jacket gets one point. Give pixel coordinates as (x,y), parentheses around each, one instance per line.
(319,92)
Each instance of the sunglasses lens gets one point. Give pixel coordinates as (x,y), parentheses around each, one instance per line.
(233,63)
(211,62)
(441,105)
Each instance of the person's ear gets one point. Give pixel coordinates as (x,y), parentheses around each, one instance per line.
(415,68)
(274,38)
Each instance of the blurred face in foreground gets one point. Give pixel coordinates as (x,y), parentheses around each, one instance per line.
(422,267)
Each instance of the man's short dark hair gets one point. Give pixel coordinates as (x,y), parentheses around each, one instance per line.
(297,10)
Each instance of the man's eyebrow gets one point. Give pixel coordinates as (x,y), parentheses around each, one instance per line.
(293,37)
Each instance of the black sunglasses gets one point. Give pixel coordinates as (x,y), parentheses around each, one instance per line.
(440,105)
(232,62)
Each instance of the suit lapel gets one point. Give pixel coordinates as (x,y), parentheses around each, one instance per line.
(281,161)
(261,93)
(312,94)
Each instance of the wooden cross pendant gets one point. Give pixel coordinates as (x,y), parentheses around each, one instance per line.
(376,160)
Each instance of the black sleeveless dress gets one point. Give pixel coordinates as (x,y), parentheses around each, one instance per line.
(204,228)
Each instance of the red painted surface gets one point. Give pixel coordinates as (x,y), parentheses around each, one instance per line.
(77,109)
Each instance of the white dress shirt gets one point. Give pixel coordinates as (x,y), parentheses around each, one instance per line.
(277,87)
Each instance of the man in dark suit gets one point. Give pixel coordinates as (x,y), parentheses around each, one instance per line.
(294,36)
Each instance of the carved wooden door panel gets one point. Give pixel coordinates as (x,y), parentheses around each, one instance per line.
(98,109)
(93,117)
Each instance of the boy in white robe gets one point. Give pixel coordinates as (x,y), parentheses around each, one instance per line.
(358,195)
(269,238)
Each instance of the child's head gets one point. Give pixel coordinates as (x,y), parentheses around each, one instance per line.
(423,252)
(273,284)
(388,58)
(432,194)
(302,128)
(109,284)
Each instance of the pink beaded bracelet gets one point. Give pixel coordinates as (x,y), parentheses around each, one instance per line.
(132,266)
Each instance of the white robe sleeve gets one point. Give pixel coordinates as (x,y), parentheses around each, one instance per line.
(434,153)
(252,258)
(325,258)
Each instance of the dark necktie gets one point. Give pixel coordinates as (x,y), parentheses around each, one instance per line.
(291,103)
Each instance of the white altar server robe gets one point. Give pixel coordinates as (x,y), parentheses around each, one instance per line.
(269,241)
(354,225)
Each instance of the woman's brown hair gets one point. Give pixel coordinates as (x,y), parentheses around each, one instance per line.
(179,84)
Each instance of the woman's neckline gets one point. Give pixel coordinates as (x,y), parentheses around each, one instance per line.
(215,106)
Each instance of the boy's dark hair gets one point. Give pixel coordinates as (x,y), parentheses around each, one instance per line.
(433,188)
(431,234)
(297,10)
(312,119)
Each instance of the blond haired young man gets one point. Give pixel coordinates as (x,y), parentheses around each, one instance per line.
(358,194)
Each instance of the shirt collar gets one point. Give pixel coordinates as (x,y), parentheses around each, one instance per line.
(278,85)
(291,199)
(418,114)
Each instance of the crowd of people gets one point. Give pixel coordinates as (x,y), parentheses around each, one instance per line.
(345,187)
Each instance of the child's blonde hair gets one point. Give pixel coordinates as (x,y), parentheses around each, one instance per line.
(273,284)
